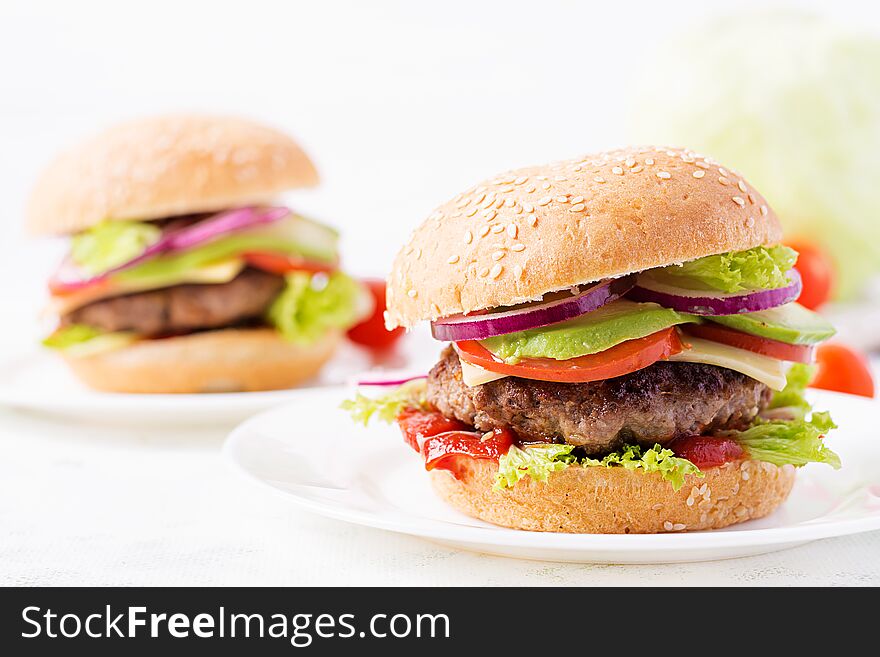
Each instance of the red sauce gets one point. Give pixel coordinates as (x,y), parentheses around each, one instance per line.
(707,451)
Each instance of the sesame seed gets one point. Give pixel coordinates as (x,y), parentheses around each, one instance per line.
(541,177)
(679,526)
(487,435)
(509,202)
(480,198)
(496,271)
(518,271)
(690,501)
(598,179)
(471,212)
(740,511)
(738,200)
(577,199)
(617,170)
(545,185)
(531,188)
(436,309)
(533,220)
(764,210)
(702,165)
(498,228)
(745,475)
(649,161)
(413,294)
(518,247)
(742,186)
(751,199)
(560,178)
(468,237)
(699,173)
(489,214)
(667,526)
(577,207)
(657,507)
(664,174)
(453,259)
(722,171)
(544,200)
(512,230)
(520,180)
(630,163)
(484,271)
(638,168)
(484,231)
(506,190)
(562,199)
(687,159)
(702,489)
(497,255)
(723,180)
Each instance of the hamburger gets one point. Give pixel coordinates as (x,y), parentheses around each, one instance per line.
(626,353)
(184,273)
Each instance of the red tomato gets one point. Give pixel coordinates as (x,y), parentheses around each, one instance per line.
(417,425)
(621,359)
(372,332)
(798,353)
(445,451)
(706,451)
(843,369)
(817,272)
(280,263)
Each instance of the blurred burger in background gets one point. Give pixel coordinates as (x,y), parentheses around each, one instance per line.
(184,273)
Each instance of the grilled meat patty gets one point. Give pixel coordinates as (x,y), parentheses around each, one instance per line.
(653,405)
(183,308)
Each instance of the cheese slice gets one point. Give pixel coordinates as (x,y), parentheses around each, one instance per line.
(762,368)
(221,272)
(765,369)
(473,375)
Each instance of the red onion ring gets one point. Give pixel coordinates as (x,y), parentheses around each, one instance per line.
(391,382)
(534,315)
(687,301)
(70,278)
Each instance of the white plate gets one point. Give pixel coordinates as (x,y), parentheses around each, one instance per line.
(310,451)
(41,382)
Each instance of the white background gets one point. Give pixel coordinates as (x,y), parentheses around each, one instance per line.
(401,105)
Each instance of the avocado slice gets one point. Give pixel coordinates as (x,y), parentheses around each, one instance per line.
(791,323)
(591,333)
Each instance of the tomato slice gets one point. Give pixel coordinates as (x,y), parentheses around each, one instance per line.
(445,451)
(843,369)
(372,332)
(280,263)
(798,353)
(706,451)
(417,425)
(620,359)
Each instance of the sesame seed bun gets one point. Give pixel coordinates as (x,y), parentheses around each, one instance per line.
(531,231)
(164,166)
(618,501)
(229,360)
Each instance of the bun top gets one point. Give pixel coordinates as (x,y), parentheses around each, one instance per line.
(527,232)
(164,166)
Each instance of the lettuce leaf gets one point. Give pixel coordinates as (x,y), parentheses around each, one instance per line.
(792,396)
(80,340)
(539,461)
(795,442)
(112,243)
(388,406)
(310,305)
(760,268)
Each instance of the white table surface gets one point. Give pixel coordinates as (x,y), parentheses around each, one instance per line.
(91,504)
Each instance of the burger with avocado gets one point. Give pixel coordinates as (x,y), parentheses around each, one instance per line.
(184,274)
(626,350)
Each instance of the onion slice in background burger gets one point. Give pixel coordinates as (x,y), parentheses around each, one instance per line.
(533,315)
(702,303)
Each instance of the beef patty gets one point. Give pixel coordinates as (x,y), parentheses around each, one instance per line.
(653,405)
(183,308)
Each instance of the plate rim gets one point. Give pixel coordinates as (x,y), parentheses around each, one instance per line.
(513,538)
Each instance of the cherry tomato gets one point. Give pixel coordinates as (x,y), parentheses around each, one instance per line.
(798,353)
(446,451)
(620,359)
(706,451)
(817,273)
(843,369)
(372,332)
(280,263)
(417,425)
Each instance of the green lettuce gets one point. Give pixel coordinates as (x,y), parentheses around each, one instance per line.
(311,304)
(388,406)
(112,243)
(539,461)
(82,340)
(795,442)
(792,396)
(760,268)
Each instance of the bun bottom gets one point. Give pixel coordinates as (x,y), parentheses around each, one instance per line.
(618,501)
(229,360)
